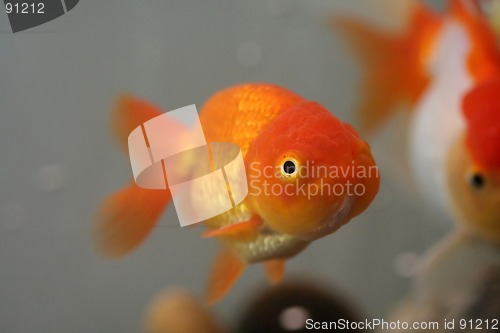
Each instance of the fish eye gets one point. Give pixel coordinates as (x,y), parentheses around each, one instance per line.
(477,180)
(289,167)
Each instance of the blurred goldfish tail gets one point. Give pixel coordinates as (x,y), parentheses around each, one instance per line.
(484,58)
(225,272)
(395,64)
(126,218)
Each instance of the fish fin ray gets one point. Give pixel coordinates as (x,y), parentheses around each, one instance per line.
(128,113)
(395,72)
(126,218)
(241,231)
(226,270)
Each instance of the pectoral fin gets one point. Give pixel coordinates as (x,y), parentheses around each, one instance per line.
(241,231)
(225,272)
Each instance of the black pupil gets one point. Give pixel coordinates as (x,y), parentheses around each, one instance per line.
(289,167)
(477,180)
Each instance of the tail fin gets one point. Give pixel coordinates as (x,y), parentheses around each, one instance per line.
(484,57)
(395,65)
(128,113)
(126,218)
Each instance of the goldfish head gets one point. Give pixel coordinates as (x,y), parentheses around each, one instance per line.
(309,173)
(473,164)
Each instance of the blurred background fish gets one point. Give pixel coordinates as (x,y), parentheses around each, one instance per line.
(292,306)
(178,311)
(430,66)
(447,67)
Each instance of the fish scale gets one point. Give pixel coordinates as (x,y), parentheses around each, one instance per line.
(238,115)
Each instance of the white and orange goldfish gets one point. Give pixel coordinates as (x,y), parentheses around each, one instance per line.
(282,138)
(447,66)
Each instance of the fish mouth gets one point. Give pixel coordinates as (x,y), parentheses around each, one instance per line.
(332,223)
(327,226)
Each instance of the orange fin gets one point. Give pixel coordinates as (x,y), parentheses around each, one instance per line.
(241,231)
(275,270)
(126,218)
(394,64)
(225,272)
(128,113)
(483,58)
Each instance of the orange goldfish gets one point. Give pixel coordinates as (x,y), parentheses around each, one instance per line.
(444,65)
(284,139)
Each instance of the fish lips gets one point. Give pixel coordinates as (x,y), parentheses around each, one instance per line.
(332,223)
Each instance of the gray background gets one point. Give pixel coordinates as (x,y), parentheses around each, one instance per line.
(57,159)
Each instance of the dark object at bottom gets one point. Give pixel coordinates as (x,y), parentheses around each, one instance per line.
(288,307)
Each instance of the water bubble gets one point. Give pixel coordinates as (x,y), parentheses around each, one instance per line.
(294,318)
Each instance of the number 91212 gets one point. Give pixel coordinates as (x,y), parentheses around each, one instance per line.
(25,8)
(479,324)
